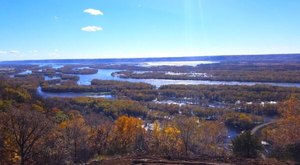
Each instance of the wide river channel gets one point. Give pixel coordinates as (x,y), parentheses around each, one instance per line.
(106,74)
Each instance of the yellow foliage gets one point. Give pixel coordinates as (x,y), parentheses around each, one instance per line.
(156,129)
(128,125)
(170,140)
(37,108)
(245,117)
(171,131)
(125,132)
(79,120)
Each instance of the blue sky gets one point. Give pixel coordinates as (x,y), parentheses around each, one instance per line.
(62,29)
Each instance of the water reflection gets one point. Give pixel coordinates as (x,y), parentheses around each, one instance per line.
(26,72)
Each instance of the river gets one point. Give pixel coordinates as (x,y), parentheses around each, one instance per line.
(105,74)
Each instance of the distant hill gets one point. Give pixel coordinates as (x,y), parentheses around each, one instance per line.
(227,58)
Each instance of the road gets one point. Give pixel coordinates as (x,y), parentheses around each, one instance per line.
(258,128)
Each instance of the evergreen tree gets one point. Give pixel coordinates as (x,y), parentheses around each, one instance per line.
(246,145)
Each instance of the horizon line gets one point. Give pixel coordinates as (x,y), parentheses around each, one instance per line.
(128,58)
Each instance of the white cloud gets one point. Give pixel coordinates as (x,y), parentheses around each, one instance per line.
(3,52)
(93,11)
(14,52)
(91,28)
(9,52)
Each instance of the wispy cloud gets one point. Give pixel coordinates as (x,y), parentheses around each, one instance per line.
(9,52)
(14,51)
(91,28)
(56,18)
(55,53)
(3,52)
(93,11)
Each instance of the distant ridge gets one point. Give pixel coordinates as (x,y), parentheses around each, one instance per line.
(220,58)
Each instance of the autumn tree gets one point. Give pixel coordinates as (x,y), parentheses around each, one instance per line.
(186,135)
(23,129)
(101,136)
(71,141)
(290,108)
(3,156)
(188,127)
(286,130)
(126,132)
(153,137)
(100,132)
(210,138)
(53,150)
(171,144)
(18,94)
(285,133)
(76,134)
